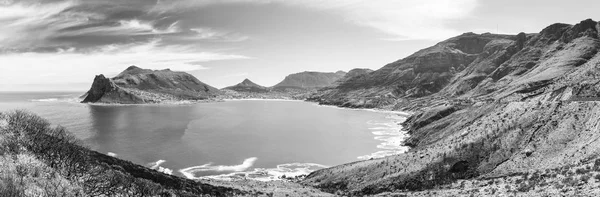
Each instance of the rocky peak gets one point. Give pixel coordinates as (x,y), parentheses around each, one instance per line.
(133,67)
(521,39)
(100,86)
(587,28)
(247,81)
(138,85)
(248,86)
(553,32)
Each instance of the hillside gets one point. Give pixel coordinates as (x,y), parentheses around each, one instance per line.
(136,85)
(308,80)
(248,86)
(494,114)
(351,74)
(422,73)
(39,160)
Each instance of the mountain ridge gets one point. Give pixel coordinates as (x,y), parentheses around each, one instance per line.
(524,106)
(136,85)
(308,80)
(248,86)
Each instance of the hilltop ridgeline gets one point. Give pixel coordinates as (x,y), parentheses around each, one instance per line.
(501,113)
(136,85)
(248,86)
(298,86)
(308,80)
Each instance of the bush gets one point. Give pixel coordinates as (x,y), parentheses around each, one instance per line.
(76,170)
(9,188)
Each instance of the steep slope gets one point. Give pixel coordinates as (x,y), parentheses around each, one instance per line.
(424,72)
(55,158)
(351,74)
(308,80)
(527,104)
(136,85)
(248,86)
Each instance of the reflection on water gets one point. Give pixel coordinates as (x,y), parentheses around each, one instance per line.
(143,130)
(258,139)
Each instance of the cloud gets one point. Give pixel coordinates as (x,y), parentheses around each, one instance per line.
(402,20)
(131,27)
(71,65)
(34,24)
(203,33)
(28,24)
(189,172)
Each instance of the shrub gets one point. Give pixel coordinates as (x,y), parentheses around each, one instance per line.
(9,188)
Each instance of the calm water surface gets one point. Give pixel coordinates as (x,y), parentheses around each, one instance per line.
(257,138)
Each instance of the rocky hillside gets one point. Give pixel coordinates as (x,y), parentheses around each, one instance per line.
(40,160)
(136,85)
(248,86)
(351,74)
(424,72)
(488,109)
(308,80)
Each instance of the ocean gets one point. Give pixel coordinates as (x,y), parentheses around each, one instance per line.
(259,139)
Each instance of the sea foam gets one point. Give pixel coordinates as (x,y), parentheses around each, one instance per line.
(240,172)
(64,100)
(391,134)
(156,166)
(190,172)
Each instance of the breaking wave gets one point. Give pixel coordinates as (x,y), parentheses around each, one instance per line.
(190,172)
(156,166)
(239,172)
(67,100)
(391,135)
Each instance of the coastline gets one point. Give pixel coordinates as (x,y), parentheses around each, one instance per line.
(389,138)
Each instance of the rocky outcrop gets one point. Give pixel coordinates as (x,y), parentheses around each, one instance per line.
(136,85)
(351,74)
(425,72)
(522,103)
(308,80)
(248,86)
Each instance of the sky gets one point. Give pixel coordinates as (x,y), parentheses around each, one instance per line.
(60,45)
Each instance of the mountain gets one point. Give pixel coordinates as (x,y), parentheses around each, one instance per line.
(309,80)
(491,115)
(422,73)
(351,74)
(248,86)
(136,85)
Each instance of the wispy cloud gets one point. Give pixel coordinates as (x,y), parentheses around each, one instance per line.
(204,33)
(78,66)
(403,20)
(28,24)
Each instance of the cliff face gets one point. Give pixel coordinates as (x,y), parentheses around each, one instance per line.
(520,104)
(136,85)
(308,80)
(248,86)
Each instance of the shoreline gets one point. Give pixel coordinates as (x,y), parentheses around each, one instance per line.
(191,102)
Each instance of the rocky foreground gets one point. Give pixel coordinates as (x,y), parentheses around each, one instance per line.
(494,115)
